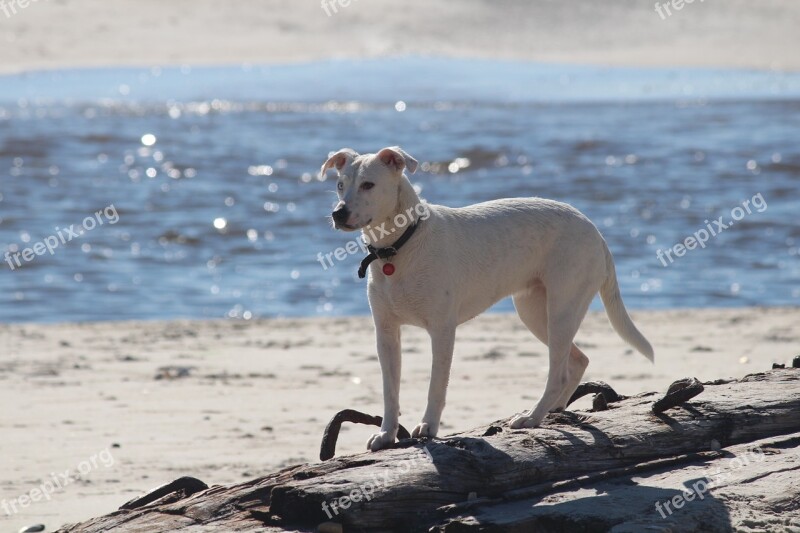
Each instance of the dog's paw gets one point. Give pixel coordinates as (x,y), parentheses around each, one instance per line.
(380,440)
(524,421)
(424,429)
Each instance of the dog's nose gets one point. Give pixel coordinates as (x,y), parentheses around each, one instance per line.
(341,215)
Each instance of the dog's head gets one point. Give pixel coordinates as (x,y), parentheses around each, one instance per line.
(368,185)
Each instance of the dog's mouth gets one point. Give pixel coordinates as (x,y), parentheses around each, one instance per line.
(351,227)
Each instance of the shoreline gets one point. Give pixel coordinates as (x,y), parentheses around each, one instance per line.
(322,60)
(264,320)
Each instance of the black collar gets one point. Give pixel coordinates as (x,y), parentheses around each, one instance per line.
(384,253)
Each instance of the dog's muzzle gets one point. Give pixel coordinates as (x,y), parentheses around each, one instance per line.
(340,216)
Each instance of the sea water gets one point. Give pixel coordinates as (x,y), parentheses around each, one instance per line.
(212,174)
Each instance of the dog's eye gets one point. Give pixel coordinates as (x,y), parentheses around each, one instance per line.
(367,185)
(340,186)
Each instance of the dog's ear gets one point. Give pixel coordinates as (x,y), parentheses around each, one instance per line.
(338,160)
(396,158)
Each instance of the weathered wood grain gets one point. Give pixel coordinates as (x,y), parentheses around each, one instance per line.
(467,480)
(748,487)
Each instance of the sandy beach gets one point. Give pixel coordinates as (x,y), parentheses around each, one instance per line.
(95,33)
(228,400)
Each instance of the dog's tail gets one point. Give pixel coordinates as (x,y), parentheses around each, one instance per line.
(617,314)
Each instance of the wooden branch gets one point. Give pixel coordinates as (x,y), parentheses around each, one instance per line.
(596,387)
(678,393)
(581,470)
(178,489)
(328,447)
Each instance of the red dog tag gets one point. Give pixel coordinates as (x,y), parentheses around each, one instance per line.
(388,269)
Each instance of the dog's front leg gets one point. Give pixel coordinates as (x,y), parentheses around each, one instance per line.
(388,337)
(442,341)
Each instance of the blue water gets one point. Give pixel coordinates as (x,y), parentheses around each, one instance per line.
(219,212)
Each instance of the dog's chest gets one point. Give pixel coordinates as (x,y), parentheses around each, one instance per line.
(405,297)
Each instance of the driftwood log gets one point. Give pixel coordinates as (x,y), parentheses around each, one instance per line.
(729,459)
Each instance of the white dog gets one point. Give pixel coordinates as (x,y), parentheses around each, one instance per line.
(436,267)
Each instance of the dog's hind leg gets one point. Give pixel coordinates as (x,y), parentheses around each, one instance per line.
(532,309)
(577,366)
(555,323)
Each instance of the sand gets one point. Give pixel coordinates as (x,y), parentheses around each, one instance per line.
(97,33)
(228,400)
